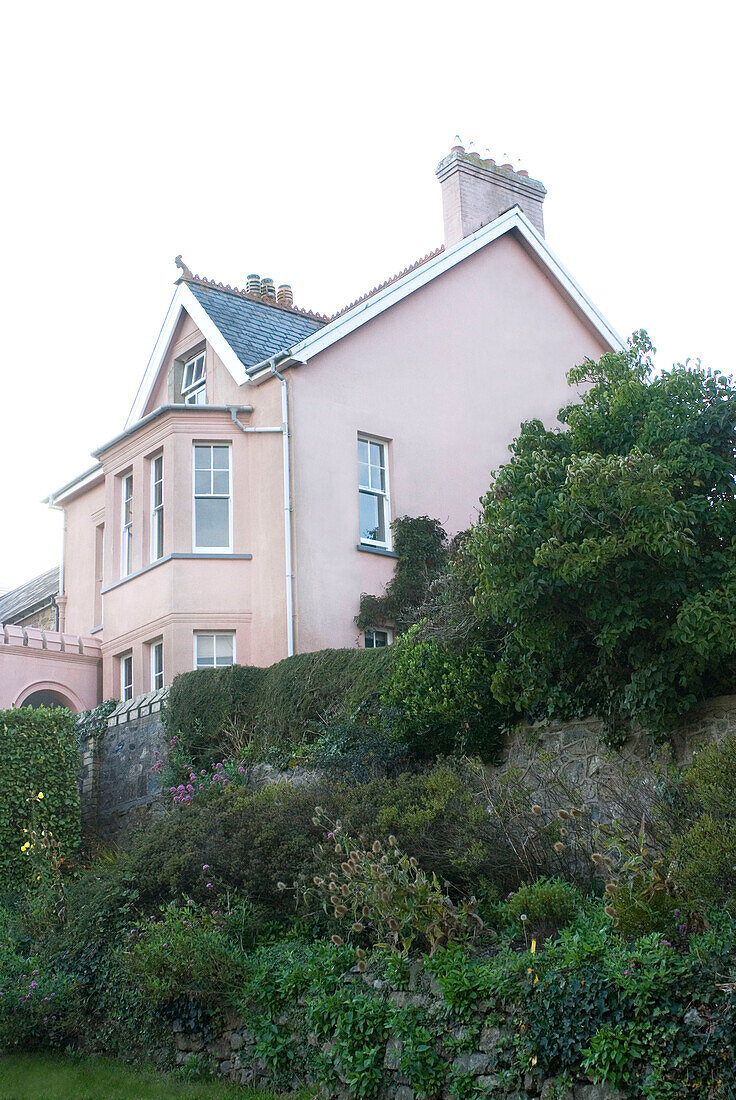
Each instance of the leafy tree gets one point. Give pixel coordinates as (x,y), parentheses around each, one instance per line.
(606,552)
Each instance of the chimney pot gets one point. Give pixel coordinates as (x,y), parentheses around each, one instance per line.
(253,284)
(267,288)
(284,295)
(510,167)
(523,172)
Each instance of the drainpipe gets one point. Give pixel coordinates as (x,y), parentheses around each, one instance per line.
(60,607)
(284,431)
(287,511)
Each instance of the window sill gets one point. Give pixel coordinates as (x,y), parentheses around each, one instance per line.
(200,556)
(367,549)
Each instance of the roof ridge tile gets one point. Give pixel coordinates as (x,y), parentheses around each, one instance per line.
(388,282)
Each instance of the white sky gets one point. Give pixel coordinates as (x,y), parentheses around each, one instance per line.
(299,140)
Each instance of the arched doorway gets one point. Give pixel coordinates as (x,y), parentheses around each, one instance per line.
(46,698)
(47,693)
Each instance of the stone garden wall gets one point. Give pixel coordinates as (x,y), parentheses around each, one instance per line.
(476,1053)
(119,788)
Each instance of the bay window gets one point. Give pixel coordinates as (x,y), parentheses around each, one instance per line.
(157,507)
(212,498)
(126,545)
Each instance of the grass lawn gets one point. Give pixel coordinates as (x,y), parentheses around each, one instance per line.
(42,1077)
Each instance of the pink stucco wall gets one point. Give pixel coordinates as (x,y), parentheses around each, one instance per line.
(446,376)
(34,660)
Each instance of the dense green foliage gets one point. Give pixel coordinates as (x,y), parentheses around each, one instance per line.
(607,551)
(38,748)
(395,884)
(227,709)
(420,545)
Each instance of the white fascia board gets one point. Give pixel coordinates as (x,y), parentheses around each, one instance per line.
(82,482)
(390,295)
(184,301)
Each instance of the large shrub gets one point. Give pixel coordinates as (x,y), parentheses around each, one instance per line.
(606,551)
(280,705)
(39,784)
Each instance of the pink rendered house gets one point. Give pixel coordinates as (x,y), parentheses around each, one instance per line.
(247,503)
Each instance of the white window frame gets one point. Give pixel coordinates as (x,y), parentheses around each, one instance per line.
(218,496)
(382,630)
(126,683)
(214,634)
(126,525)
(157,528)
(195,393)
(384,496)
(155,648)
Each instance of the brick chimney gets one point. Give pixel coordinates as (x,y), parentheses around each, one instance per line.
(476,191)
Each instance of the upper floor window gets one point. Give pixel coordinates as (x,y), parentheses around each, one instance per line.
(157,665)
(193,387)
(157,507)
(214,650)
(375,515)
(126,677)
(212,506)
(126,526)
(377,639)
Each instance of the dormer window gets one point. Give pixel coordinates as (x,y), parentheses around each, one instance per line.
(194,389)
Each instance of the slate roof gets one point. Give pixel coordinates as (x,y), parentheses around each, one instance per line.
(254,329)
(30,596)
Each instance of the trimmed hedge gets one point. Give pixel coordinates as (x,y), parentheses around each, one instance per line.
(283,704)
(39,785)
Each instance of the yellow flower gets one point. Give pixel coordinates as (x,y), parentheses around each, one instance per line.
(39,796)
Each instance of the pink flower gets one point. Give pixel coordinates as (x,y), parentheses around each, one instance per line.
(209,885)
(205,866)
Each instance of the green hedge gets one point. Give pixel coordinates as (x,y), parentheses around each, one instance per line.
(38,749)
(282,704)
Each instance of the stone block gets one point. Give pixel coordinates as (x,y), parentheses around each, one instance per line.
(225,1067)
(236,1041)
(489,1039)
(71,643)
(34,639)
(392,1057)
(403,1092)
(13,635)
(598,1092)
(471,1061)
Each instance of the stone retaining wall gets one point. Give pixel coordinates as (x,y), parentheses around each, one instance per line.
(234,1056)
(119,787)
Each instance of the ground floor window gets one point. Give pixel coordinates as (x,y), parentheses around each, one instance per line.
(377,639)
(157,665)
(214,650)
(126,677)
